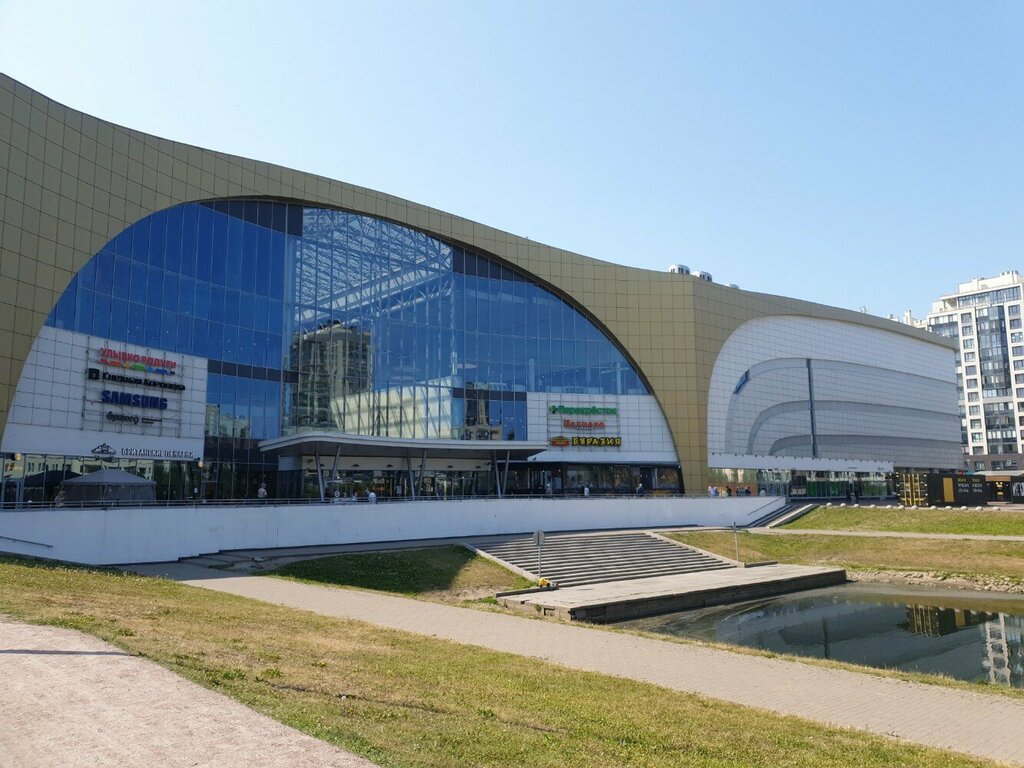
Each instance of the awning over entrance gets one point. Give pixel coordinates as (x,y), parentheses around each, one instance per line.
(413,452)
(310,443)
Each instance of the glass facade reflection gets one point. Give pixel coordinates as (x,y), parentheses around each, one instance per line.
(315,319)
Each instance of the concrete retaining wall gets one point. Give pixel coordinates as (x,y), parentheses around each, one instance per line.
(158,534)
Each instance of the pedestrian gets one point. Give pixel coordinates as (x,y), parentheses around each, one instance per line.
(547,489)
(262,492)
(586,491)
(640,489)
(371,497)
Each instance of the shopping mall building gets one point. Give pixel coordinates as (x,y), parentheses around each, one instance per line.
(216,324)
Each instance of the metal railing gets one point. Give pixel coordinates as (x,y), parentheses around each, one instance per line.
(10,506)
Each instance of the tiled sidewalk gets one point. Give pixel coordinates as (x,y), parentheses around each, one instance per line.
(71,700)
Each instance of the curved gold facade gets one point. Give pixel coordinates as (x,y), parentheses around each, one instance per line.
(70,182)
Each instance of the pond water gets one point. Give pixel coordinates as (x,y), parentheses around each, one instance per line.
(967,635)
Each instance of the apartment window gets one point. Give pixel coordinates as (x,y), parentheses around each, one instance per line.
(1018,365)
(965,317)
(1017,338)
(979,466)
(972,397)
(971,370)
(975,423)
(1013,310)
(975,437)
(1014,323)
(967,330)
(969,357)
(1017,351)
(974,410)
(968,343)
(972,383)
(977,450)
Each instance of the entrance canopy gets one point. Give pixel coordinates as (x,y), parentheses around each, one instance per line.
(328,443)
(413,453)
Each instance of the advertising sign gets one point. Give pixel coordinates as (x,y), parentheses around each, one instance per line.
(583,425)
(90,396)
(131,390)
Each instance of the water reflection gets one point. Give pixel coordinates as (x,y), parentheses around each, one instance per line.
(877,626)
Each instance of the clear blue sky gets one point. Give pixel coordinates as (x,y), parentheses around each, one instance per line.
(857,154)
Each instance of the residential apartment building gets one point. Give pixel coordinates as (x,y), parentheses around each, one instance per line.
(984,317)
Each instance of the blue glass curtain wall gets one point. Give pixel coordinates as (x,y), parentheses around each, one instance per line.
(321,319)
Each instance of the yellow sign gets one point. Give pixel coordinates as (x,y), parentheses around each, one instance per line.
(598,442)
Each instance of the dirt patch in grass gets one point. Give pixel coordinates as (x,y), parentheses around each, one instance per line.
(406,700)
(988,522)
(441,574)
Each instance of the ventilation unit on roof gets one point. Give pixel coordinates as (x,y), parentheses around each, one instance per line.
(705,276)
(733,285)
(679,269)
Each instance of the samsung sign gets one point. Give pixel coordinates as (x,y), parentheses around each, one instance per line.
(134,400)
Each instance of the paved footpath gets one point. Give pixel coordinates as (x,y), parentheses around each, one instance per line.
(882,534)
(964,721)
(71,700)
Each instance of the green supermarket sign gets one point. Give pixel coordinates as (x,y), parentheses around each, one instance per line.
(586,410)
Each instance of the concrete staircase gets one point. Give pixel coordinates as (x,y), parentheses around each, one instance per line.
(574,559)
(782,515)
(220,560)
(778,514)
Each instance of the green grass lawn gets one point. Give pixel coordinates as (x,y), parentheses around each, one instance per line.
(988,522)
(454,575)
(448,574)
(406,700)
(972,558)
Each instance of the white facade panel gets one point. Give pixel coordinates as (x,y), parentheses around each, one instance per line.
(825,392)
(634,421)
(156,412)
